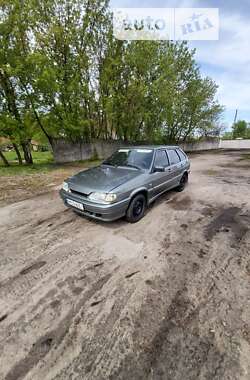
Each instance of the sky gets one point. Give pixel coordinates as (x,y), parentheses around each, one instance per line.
(226,61)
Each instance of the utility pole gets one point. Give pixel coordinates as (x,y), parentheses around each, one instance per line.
(235,116)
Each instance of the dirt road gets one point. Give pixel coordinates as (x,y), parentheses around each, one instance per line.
(166,298)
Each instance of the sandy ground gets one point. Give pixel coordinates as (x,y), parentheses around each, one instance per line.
(166,298)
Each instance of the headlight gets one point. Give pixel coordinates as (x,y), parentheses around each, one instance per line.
(110,198)
(65,187)
(102,197)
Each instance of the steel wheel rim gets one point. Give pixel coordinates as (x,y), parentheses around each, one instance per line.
(137,208)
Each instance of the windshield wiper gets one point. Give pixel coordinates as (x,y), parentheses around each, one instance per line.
(123,165)
(132,166)
(107,163)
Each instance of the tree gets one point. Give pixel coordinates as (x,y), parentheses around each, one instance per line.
(63,74)
(68,38)
(5,161)
(13,42)
(186,100)
(155,90)
(240,129)
(9,129)
(227,135)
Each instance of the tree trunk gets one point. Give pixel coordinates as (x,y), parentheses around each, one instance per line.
(37,115)
(18,154)
(5,161)
(27,152)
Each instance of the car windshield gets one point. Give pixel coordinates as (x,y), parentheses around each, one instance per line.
(134,158)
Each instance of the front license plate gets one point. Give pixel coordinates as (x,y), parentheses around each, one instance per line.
(75,204)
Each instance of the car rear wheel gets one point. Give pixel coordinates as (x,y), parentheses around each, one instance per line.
(136,209)
(183,182)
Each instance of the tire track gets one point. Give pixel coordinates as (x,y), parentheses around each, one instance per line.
(55,337)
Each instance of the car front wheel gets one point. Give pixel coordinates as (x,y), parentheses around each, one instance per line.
(136,209)
(183,182)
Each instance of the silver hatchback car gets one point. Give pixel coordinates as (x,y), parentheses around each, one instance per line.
(127,182)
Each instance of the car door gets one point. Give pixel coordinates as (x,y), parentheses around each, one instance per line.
(159,179)
(175,168)
(184,159)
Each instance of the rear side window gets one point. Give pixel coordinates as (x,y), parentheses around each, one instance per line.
(161,158)
(181,155)
(173,157)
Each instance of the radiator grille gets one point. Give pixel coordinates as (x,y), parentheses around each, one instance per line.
(78,193)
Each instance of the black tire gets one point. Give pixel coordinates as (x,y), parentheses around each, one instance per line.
(183,182)
(136,209)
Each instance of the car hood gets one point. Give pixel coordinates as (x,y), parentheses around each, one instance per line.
(101,179)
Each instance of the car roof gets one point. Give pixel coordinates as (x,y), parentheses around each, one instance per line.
(150,147)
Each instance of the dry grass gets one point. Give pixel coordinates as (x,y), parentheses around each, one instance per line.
(25,182)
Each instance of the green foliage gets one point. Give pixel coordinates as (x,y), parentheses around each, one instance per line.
(43,163)
(241,130)
(39,157)
(227,136)
(63,74)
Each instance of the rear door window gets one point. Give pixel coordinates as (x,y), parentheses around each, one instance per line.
(161,158)
(173,157)
(181,155)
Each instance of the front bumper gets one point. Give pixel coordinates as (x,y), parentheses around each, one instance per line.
(104,212)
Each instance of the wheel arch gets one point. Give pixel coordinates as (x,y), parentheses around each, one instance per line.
(142,190)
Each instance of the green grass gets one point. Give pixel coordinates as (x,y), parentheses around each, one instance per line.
(25,169)
(38,157)
(43,163)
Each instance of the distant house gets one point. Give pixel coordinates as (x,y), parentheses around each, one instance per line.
(36,146)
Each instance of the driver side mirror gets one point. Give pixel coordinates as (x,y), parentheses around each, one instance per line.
(159,169)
